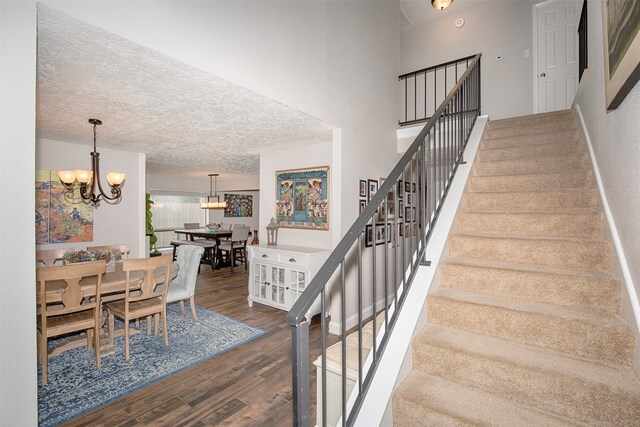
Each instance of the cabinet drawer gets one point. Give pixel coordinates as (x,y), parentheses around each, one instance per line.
(264,254)
(293,259)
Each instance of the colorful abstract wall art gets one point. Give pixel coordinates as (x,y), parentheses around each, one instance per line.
(238,205)
(302,198)
(60,217)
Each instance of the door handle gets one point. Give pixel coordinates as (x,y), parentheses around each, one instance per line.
(543,75)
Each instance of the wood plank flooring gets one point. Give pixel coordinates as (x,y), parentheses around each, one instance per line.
(249,385)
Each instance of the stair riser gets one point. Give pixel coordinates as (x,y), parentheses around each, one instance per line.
(525,166)
(565,395)
(574,337)
(560,137)
(531,152)
(538,225)
(529,129)
(587,255)
(537,119)
(557,181)
(406,413)
(548,202)
(584,292)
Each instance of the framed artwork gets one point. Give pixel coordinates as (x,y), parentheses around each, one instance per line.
(60,217)
(238,206)
(382,234)
(407,187)
(391,206)
(363,204)
(363,188)
(400,230)
(302,198)
(400,209)
(372,188)
(621,23)
(407,213)
(400,191)
(408,198)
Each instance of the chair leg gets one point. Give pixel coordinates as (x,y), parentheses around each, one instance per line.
(148,325)
(233,258)
(182,308)
(165,333)
(89,338)
(43,357)
(156,318)
(126,338)
(96,343)
(192,301)
(110,325)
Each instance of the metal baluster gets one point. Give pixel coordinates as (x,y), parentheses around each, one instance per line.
(387,235)
(415,96)
(374,249)
(300,364)
(323,331)
(360,312)
(343,333)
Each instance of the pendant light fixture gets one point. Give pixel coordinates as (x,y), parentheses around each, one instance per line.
(441,4)
(90,180)
(210,203)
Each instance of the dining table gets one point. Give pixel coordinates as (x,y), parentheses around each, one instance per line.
(216,235)
(112,287)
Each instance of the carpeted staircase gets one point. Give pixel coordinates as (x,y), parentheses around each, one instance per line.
(524,327)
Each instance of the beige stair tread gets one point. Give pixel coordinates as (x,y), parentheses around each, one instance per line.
(589,316)
(555,175)
(468,403)
(526,195)
(560,115)
(529,268)
(547,360)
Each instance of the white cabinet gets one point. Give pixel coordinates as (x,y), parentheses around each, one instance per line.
(279,274)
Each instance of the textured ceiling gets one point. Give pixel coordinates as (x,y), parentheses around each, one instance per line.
(187,121)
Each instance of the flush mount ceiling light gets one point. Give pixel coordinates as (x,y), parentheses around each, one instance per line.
(90,180)
(210,203)
(441,4)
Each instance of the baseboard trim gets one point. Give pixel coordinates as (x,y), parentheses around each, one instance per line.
(624,266)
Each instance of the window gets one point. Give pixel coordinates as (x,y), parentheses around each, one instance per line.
(170,212)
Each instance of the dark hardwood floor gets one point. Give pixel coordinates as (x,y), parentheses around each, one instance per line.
(249,385)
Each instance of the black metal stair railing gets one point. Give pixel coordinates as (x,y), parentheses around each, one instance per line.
(377,258)
(423,90)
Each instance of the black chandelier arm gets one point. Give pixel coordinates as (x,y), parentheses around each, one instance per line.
(88,193)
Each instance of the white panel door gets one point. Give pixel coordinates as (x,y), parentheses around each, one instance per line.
(557,58)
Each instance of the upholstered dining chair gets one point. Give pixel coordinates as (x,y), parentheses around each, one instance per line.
(236,245)
(124,249)
(183,287)
(146,301)
(65,306)
(49,257)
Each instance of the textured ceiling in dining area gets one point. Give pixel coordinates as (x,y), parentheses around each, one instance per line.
(187,121)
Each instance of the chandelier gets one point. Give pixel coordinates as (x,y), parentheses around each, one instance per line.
(441,4)
(90,180)
(210,204)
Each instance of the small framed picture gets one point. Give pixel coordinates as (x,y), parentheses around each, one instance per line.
(400,230)
(363,188)
(407,187)
(407,213)
(382,234)
(400,189)
(413,187)
(400,209)
(408,198)
(372,188)
(363,204)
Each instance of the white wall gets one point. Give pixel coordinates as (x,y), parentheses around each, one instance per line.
(615,137)
(18,391)
(121,223)
(491,28)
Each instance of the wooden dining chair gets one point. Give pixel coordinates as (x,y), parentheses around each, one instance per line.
(65,307)
(49,257)
(236,246)
(143,301)
(124,249)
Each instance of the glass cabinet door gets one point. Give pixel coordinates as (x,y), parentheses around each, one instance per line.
(297,284)
(277,285)
(260,281)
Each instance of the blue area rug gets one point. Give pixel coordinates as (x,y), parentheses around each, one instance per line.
(76,385)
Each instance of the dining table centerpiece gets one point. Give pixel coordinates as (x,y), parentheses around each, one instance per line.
(110,257)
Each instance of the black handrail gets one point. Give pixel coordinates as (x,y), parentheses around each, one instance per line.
(583,42)
(429,97)
(426,169)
